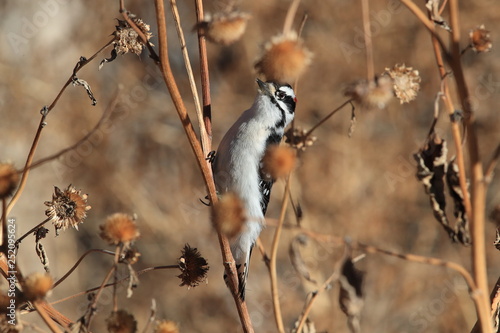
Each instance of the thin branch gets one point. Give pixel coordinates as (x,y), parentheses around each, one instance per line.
(105,115)
(478,186)
(272,262)
(58,282)
(46,318)
(370,71)
(427,23)
(93,305)
(290,15)
(189,70)
(44,112)
(145,270)
(314,295)
(38,226)
(206,132)
(322,121)
(169,79)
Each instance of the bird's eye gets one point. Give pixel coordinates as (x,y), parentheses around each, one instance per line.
(280,94)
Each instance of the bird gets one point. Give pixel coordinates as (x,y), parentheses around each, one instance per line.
(237,164)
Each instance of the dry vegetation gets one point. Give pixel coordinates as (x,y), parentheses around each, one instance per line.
(359,188)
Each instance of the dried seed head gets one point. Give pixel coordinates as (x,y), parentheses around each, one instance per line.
(127,39)
(37,286)
(193,267)
(480,40)
(8,180)
(224,28)
(284,59)
(67,208)
(166,326)
(229,215)
(278,161)
(297,138)
(119,228)
(406,82)
(371,94)
(121,322)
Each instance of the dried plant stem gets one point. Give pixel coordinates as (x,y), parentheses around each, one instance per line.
(426,22)
(145,270)
(115,277)
(273,257)
(206,133)
(290,15)
(93,305)
(111,107)
(45,111)
(455,127)
(365,8)
(322,121)
(58,282)
(200,158)
(189,70)
(46,318)
(314,295)
(478,187)
(38,226)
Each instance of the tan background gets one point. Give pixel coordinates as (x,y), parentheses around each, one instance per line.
(361,187)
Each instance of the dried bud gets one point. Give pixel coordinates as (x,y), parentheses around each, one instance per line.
(406,82)
(298,138)
(278,161)
(224,28)
(229,215)
(119,228)
(371,94)
(8,180)
(284,59)
(166,326)
(37,286)
(480,40)
(121,322)
(67,208)
(193,267)
(127,39)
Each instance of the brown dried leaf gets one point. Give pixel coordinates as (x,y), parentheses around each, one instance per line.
(296,258)
(40,234)
(79,82)
(431,167)
(497,240)
(351,294)
(433,8)
(461,223)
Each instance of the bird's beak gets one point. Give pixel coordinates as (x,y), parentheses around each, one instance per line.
(265,88)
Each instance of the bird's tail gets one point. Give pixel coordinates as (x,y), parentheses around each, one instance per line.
(242,261)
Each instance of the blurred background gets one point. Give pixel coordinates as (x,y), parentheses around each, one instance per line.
(140,162)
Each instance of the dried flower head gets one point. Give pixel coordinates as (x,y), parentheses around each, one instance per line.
(284,59)
(406,82)
(229,214)
(119,228)
(278,161)
(127,39)
(166,326)
(371,94)
(193,267)
(121,322)
(8,179)
(224,28)
(298,138)
(480,40)
(67,208)
(36,286)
